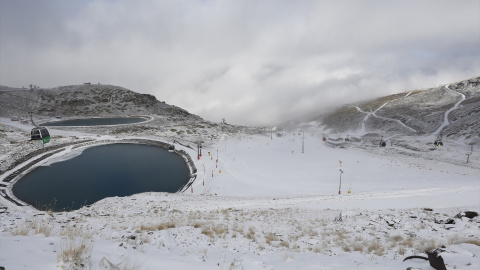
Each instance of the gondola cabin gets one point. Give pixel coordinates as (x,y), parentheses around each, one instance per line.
(39,133)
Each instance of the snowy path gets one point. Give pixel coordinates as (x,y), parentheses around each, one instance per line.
(381,117)
(445,117)
(366,116)
(398,199)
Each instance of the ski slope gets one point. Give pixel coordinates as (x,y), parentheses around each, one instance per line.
(264,167)
(445,117)
(364,121)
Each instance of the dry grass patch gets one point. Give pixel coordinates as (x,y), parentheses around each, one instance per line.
(456,239)
(72,232)
(358,246)
(311,232)
(212,230)
(340,235)
(197,225)
(251,233)
(150,228)
(396,238)
(346,247)
(269,237)
(285,244)
(220,230)
(166,225)
(42,227)
(409,242)
(75,254)
(22,229)
(206,230)
(376,247)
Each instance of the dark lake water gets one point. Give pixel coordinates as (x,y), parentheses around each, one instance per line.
(107,121)
(100,172)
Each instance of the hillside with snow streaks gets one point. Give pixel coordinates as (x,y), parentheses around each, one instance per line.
(419,112)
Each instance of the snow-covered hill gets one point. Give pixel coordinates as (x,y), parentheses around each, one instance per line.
(420,112)
(84,100)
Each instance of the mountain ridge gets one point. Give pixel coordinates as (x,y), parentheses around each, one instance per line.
(86,100)
(418,112)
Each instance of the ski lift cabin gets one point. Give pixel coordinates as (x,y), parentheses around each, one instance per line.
(38,133)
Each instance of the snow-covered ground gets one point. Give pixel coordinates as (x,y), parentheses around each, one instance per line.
(267,205)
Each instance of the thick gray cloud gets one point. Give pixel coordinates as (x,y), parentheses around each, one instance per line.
(252,62)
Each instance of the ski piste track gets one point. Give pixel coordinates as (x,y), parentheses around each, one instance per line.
(432,136)
(381,117)
(326,201)
(445,117)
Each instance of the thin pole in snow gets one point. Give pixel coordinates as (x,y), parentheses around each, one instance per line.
(471,152)
(340,187)
(303,140)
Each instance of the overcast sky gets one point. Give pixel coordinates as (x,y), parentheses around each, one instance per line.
(251,62)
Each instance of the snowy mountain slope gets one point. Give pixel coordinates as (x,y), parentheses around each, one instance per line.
(414,113)
(95,100)
(265,205)
(87,100)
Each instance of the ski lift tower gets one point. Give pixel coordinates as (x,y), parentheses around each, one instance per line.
(199,148)
(471,152)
